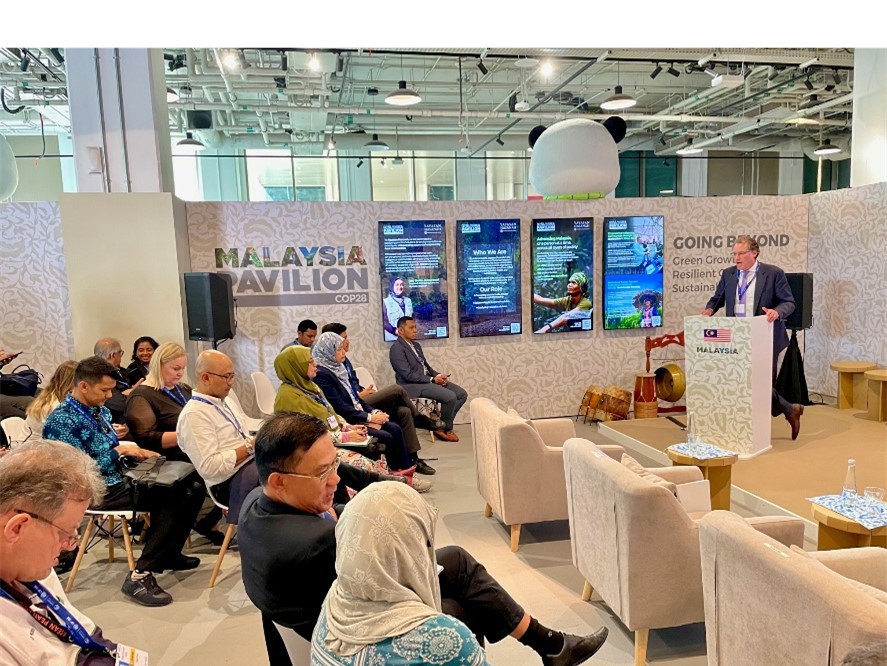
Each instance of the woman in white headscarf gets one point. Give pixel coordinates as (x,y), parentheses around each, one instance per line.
(385,605)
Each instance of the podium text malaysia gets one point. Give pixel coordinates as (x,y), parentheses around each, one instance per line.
(729,364)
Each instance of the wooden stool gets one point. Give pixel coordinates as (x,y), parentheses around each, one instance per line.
(877,394)
(851,383)
(716,470)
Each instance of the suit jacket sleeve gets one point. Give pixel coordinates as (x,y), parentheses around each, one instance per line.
(334,391)
(718,301)
(407,370)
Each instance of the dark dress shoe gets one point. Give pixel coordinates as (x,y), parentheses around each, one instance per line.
(215,537)
(794,419)
(423,467)
(182,563)
(446,435)
(577,649)
(425,423)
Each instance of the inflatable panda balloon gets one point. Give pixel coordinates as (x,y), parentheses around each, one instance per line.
(576,158)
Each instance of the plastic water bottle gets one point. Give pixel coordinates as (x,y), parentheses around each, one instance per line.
(691,430)
(849,490)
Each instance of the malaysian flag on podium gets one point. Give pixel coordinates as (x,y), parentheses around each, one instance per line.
(717,335)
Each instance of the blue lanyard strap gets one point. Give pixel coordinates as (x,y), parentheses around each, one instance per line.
(742,291)
(232,419)
(97,421)
(178,396)
(71,632)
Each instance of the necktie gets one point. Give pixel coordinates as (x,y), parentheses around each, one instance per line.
(743,288)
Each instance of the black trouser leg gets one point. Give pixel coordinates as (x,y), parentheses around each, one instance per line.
(173,511)
(778,404)
(487,609)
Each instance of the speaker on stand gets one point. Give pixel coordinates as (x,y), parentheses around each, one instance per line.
(791,383)
(209,299)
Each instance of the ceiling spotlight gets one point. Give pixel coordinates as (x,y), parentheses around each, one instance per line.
(812,100)
(522,106)
(360,163)
(837,78)
(656,71)
(375,144)
(171,95)
(403,96)
(230,61)
(175,62)
(618,101)
(60,59)
(482,67)
(772,73)
(314,63)
(25,61)
(547,69)
(500,141)
(689,149)
(671,70)
(384,165)
(284,61)
(190,143)
(826,148)
(807,84)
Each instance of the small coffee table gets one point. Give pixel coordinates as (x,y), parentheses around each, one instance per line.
(837,531)
(716,470)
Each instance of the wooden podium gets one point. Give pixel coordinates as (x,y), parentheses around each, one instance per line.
(729,381)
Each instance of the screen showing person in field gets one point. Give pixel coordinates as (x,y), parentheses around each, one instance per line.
(563,266)
(633,275)
(413,274)
(488,253)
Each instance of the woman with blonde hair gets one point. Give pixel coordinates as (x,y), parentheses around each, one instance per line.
(152,414)
(48,399)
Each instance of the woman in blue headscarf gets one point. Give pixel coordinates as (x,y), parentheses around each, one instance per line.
(395,305)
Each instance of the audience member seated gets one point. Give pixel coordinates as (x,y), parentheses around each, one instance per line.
(394,401)
(306,332)
(288,549)
(45,489)
(420,380)
(297,369)
(379,613)
(211,431)
(328,353)
(82,421)
(142,351)
(60,384)
(152,412)
(110,350)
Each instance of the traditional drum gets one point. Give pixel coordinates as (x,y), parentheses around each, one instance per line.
(590,401)
(645,404)
(670,382)
(614,405)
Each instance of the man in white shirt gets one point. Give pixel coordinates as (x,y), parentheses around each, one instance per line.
(214,433)
(45,489)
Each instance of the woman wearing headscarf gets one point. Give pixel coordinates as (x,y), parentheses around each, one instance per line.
(298,393)
(396,305)
(332,378)
(385,604)
(575,305)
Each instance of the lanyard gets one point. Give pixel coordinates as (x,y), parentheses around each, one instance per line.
(230,419)
(742,291)
(96,420)
(178,396)
(71,632)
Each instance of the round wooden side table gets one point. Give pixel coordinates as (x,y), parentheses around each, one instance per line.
(837,531)
(716,470)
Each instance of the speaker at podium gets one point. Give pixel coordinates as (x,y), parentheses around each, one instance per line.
(209,299)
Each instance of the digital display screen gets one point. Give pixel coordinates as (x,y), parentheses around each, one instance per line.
(413,274)
(488,253)
(633,275)
(563,269)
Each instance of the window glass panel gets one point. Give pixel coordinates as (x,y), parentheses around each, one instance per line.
(434,173)
(269,175)
(660,175)
(506,175)
(186,174)
(391,182)
(811,168)
(630,178)
(317,178)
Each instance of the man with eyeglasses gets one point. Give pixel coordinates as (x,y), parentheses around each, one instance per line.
(111,350)
(755,288)
(45,489)
(82,421)
(287,542)
(215,433)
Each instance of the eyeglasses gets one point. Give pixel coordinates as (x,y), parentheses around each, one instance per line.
(229,377)
(739,254)
(70,540)
(323,476)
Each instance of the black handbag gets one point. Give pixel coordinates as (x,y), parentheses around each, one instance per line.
(20,382)
(146,475)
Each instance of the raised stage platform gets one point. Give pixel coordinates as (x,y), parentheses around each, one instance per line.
(780,480)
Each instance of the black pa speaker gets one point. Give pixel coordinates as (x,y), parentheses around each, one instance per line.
(210,302)
(801,285)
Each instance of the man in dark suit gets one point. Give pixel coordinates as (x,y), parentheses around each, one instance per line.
(420,380)
(751,289)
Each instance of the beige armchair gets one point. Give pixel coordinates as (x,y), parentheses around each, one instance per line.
(520,469)
(636,545)
(768,604)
